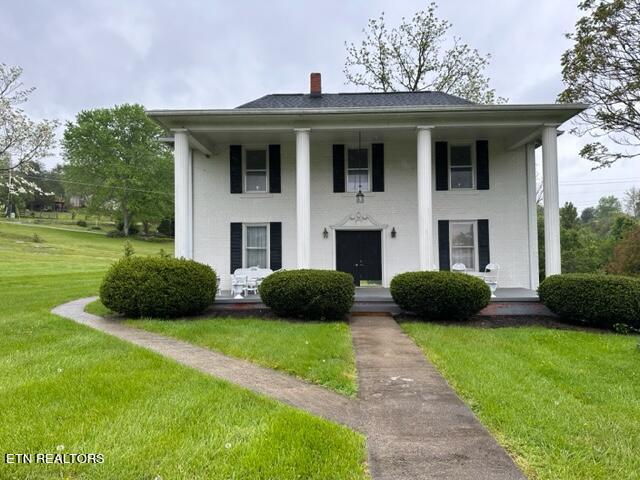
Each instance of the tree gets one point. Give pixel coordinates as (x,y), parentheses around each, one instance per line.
(632,202)
(415,57)
(587,215)
(114,157)
(626,255)
(568,216)
(603,69)
(23,142)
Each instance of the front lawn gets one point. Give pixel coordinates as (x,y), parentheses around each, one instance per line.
(65,385)
(565,403)
(320,352)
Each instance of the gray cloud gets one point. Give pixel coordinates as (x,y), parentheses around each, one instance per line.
(196,54)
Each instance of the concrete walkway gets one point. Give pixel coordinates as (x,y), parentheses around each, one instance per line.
(416,426)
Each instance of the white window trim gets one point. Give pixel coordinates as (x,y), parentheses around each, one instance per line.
(476,253)
(244,169)
(244,242)
(472,147)
(346,167)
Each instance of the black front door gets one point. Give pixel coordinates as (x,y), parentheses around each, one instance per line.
(359,252)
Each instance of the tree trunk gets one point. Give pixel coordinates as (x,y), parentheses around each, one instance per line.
(145,227)
(125,221)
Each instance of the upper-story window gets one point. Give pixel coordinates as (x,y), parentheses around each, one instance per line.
(461,166)
(358,169)
(255,171)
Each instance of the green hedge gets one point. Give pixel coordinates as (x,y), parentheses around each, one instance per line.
(309,294)
(594,299)
(440,295)
(158,287)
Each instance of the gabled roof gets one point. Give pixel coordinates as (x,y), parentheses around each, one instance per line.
(355,100)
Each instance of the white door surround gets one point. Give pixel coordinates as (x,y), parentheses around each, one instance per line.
(361,221)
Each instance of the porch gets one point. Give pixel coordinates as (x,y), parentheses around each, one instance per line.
(508,302)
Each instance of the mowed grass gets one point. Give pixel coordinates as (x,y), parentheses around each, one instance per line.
(566,404)
(67,385)
(319,352)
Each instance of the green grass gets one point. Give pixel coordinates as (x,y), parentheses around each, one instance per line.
(65,384)
(566,404)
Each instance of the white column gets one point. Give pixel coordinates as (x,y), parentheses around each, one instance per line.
(303,198)
(532,215)
(183,203)
(551,200)
(425,217)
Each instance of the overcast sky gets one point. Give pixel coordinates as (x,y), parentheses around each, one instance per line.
(83,54)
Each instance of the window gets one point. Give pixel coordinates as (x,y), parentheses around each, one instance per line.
(463,243)
(358,170)
(461,166)
(255,171)
(255,246)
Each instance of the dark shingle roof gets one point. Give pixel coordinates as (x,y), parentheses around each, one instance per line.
(365,99)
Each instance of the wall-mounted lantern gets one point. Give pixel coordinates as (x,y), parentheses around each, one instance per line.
(393,232)
(325,233)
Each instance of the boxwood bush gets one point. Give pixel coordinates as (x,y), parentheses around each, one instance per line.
(158,287)
(593,299)
(440,295)
(308,294)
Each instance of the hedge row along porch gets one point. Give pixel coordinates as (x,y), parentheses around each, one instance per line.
(373,184)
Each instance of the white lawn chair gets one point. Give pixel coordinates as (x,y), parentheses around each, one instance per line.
(459,268)
(490,277)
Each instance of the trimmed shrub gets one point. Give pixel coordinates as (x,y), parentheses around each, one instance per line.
(593,299)
(158,287)
(440,295)
(81,223)
(309,294)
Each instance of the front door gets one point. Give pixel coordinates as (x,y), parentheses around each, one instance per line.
(359,252)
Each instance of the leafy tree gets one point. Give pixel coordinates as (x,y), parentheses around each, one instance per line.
(114,157)
(603,69)
(415,56)
(632,202)
(587,215)
(626,256)
(23,142)
(568,216)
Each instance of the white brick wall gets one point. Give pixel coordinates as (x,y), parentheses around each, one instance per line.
(504,205)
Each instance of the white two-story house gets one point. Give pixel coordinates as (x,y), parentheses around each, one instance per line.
(373,184)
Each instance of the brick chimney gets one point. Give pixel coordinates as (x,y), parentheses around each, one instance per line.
(315,84)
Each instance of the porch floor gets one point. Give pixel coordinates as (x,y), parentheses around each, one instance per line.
(381,294)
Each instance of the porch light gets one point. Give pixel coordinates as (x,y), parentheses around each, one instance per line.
(325,233)
(360,196)
(393,232)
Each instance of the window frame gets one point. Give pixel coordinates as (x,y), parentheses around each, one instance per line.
(476,252)
(244,242)
(346,167)
(246,148)
(472,150)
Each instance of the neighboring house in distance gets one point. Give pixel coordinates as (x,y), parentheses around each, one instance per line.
(374,184)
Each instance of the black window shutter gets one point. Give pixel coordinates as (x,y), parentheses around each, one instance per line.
(275,245)
(235,168)
(236,246)
(483,244)
(274,168)
(338,168)
(377,167)
(442,166)
(482,164)
(443,244)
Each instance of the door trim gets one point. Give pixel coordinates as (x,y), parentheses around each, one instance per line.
(360,221)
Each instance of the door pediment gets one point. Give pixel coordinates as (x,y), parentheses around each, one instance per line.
(359,220)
